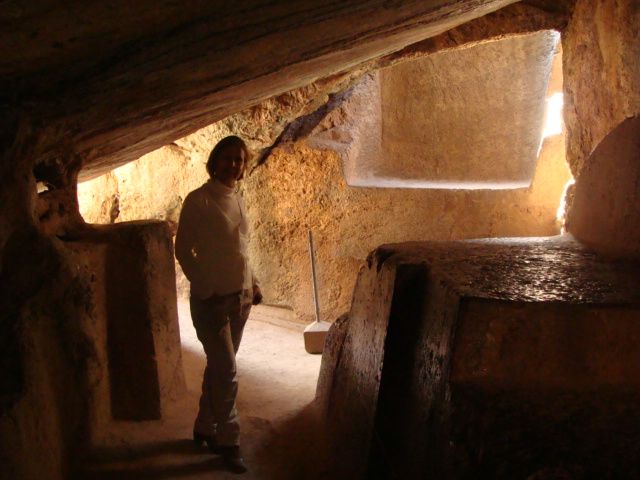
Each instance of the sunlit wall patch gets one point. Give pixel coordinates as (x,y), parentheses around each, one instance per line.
(468,118)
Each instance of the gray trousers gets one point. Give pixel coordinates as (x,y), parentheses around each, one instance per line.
(219,322)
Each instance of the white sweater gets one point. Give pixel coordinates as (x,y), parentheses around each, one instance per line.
(211,242)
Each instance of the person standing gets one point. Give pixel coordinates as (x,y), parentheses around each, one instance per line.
(211,247)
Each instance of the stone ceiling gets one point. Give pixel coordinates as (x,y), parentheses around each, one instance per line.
(105,83)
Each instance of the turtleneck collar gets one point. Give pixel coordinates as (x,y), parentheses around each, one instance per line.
(219,187)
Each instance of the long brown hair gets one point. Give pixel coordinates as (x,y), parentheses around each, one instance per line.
(231,140)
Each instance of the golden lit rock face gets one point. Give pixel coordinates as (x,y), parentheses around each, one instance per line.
(601,49)
(296,188)
(465,118)
(102,84)
(300,188)
(304,189)
(605,213)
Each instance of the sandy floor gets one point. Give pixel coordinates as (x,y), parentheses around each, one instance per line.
(277,380)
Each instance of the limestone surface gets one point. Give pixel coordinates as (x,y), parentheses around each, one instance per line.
(465,118)
(497,358)
(300,188)
(606,206)
(601,49)
(100,84)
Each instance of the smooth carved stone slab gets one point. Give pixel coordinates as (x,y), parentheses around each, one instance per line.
(136,332)
(489,359)
(606,208)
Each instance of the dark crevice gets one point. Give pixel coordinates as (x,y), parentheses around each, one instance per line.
(301,127)
(390,444)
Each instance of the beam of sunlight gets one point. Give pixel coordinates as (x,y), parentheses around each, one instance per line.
(553,120)
(553,115)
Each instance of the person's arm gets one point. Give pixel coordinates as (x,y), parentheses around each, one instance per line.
(186,236)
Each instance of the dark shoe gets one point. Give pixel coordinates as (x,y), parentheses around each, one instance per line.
(200,438)
(214,447)
(233,459)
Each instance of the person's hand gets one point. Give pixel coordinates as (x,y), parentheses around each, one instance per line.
(257,295)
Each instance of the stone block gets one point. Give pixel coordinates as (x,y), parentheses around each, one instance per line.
(489,359)
(135,327)
(605,214)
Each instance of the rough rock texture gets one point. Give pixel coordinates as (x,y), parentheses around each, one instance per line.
(300,188)
(136,367)
(145,188)
(571,402)
(488,359)
(305,189)
(56,399)
(45,357)
(524,17)
(90,84)
(602,89)
(601,48)
(330,357)
(167,71)
(465,116)
(605,213)
(262,123)
(520,19)
(44,354)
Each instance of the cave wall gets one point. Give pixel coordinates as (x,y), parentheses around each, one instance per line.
(55,386)
(466,116)
(89,108)
(601,48)
(299,187)
(605,211)
(84,354)
(43,300)
(46,359)
(305,188)
(602,90)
